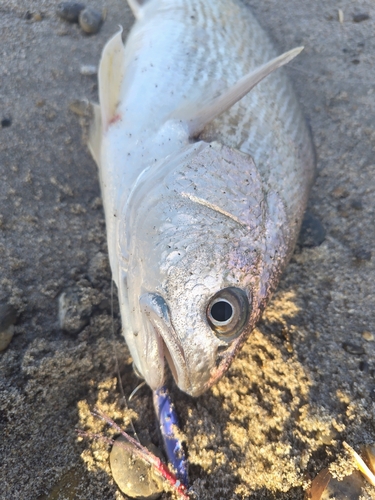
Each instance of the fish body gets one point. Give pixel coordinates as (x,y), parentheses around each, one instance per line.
(204,185)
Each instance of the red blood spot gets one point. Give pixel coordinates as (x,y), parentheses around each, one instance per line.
(114,119)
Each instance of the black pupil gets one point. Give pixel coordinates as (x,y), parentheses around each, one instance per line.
(221,311)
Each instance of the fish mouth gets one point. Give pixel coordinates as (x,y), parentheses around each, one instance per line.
(163,345)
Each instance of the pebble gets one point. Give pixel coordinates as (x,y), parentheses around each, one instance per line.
(364,367)
(90,20)
(327,437)
(355,349)
(80,107)
(312,231)
(340,192)
(356,204)
(37,17)
(6,122)
(88,70)
(8,316)
(99,269)
(74,310)
(361,16)
(70,11)
(362,254)
(135,477)
(68,486)
(368,336)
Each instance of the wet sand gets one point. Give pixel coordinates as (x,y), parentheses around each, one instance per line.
(304,382)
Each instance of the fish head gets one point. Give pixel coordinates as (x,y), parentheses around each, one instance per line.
(205,252)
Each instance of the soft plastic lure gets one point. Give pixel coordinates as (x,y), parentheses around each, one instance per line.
(168,421)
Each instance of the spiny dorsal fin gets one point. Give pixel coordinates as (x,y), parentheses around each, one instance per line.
(111,73)
(136,7)
(198,118)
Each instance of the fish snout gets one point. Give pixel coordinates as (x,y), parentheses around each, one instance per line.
(199,359)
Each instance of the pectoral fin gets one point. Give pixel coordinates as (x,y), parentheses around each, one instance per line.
(197,117)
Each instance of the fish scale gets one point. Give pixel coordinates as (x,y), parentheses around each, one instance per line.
(205,165)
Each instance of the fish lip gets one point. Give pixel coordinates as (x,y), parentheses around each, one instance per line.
(169,345)
(169,356)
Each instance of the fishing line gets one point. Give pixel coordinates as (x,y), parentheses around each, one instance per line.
(118,368)
(136,390)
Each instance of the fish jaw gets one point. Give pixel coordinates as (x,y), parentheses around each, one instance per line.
(160,333)
(195,369)
(160,343)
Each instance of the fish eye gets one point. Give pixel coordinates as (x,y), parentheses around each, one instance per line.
(228,312)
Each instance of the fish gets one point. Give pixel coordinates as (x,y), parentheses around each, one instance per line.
(205,165)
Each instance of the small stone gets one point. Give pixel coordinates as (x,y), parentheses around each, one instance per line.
(368,336)
(8,316)
(6,337)
(75,309)
(356,204)
(6,122)
(355,349)
(340,192)
(327,437)
(80,107)
(88,70)
(70,11)
(362,254)
(90,20)
(62,32)
(37,17)
(364,367)
(312,231)
(134,476)
(99,268)
(360,16)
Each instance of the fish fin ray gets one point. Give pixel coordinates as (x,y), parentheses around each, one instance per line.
(111,72)
(95,133)
(197,117)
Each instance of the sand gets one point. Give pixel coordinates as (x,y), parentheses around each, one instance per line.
(294,394)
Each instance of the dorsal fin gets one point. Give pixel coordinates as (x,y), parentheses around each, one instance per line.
(199,116)
(136,7)
(111,73)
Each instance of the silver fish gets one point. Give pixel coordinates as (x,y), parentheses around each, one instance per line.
(204,183)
